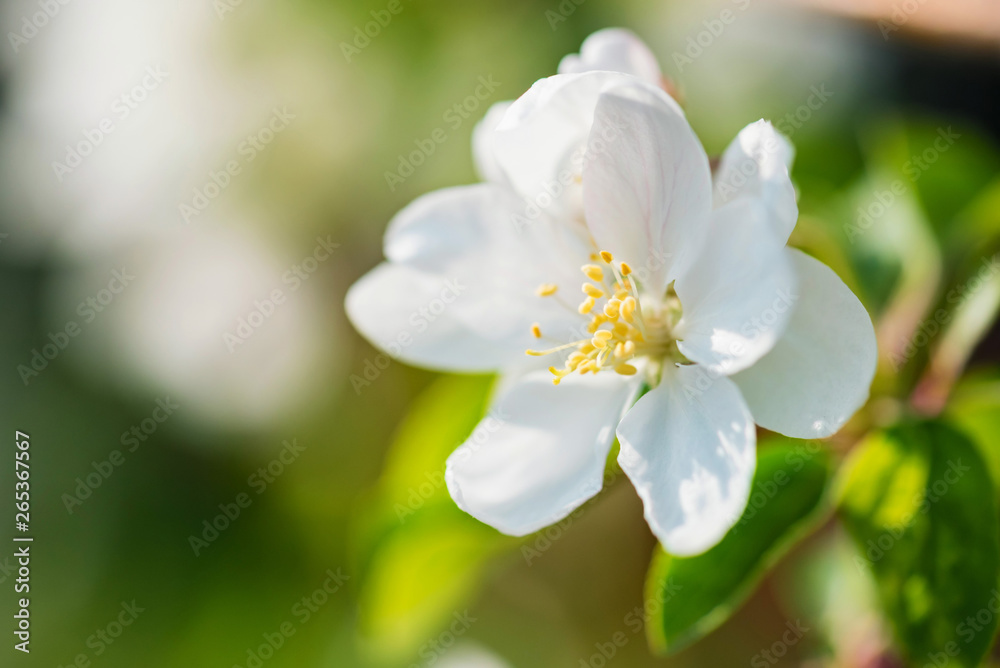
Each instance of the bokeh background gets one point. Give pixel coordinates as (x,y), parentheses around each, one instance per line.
(238,148)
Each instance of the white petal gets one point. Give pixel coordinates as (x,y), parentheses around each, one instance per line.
(756,165)
(466,235)
(614,50)
(442,226)
(484,144)
(739,296)
(404,312)
(818,374)
(690,451)
(541,452)
(647,187)
(541,140)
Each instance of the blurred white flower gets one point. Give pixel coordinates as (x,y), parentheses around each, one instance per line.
(690,291)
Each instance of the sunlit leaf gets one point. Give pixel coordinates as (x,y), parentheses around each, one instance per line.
(914,499)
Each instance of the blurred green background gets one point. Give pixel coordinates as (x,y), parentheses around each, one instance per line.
(359,494)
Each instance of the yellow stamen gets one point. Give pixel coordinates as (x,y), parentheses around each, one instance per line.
(626,270)
(604,335)
(625,369)
(536,331)
(546,289)
(592,290)
(587,306)
(628,308)
(607,257)
(593,272)
(598,342)
(611,308)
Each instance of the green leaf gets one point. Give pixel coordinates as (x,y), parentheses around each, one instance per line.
(421,557)
(975,407)
(689,597)
(915,500)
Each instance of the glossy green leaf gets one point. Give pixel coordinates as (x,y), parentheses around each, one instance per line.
(915,500)
(689,597)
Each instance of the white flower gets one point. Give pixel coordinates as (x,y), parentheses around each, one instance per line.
(595,179)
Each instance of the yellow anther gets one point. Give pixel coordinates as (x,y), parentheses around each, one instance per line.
(592,290)
(625,369)
(593,272)
(574,359)
(620,349)
(611,308)
(621,295)
(546,289)
(536,331)
(535,353)
(628,308)
(630,347)
(587,306)
(585,348)
(555,381)
(626,270)
(607,257)
(620,329)
(598,342)
(604,335)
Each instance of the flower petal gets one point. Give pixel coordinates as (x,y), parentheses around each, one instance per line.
(739,296)
(647,187)
(756,165)
(818,374)
(691,455)
(467,235)
(541,140)
(484,145)
(614,50)
(404,311)
(541,452)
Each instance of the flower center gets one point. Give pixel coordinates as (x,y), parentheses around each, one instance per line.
(623,325)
